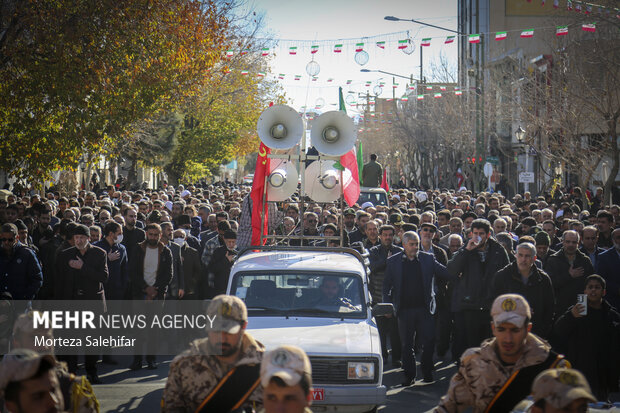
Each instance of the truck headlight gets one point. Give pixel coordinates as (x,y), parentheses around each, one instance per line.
(358,370)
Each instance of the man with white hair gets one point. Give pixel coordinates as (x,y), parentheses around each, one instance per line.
(409,286)
(524,278)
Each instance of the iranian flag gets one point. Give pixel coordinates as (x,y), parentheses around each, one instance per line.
(244,72)
(257,194)
(260,74)
(314,78)
(474,38)
(229,53)
(403,99)
(297,77)
(384,181)
(402,44)
(429,88)
(359,47)
(292,50)
(314,49)
(348,166)
(381,44)
(437,95)
(458,92)
(443,88)
(501,35)
(265,51)
(589,27)
(588,9)
(331,79)
(426,42)
(281,76)
(569,5)
(527,33)
(578,7)
(561,31)
(420,97)
(394,85)
(245,51)
(411,86)
(338,48)
(349,82)
(449,39)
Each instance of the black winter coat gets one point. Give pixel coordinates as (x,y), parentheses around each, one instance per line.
(538,292)
(472,290)
(592,344)
(85,283)
(136,271)
(566,287)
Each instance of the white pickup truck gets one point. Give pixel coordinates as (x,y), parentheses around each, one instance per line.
(317,299)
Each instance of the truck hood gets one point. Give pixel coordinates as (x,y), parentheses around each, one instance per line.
(317,336)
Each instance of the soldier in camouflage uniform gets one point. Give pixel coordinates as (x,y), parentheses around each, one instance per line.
(196,372)
(485,370)
(561,390)
(286,376)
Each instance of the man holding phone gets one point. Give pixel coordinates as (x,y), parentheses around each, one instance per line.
(590,336)
(222,261)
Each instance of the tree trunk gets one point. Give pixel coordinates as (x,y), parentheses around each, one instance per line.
(132,174)
(615,155)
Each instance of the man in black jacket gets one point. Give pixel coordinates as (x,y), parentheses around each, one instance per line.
(81,272)
(568,269)
(524,278)
(222,261)
(19,266)
(590,341)
(476,263)
(378,259)
(151,271)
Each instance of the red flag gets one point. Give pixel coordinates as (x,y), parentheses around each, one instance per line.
(384,182)
(351,188)
(258,187)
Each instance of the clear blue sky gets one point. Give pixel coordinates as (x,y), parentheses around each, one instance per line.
(329,21)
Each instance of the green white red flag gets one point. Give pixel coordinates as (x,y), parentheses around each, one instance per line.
(314,49)
(292,50)
(449,39)
(381,44)
(338,48)
(589,27)
(402,44)
(426,42)
(561,31)
(359,47)
(501,35)
(527,33)
(473,38)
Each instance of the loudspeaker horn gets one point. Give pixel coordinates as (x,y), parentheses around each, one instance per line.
(333,133)
(322,181)
(280,127)
(282,180)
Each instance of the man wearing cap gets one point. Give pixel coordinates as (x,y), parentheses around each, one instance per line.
(219,373)
(81,272)
(29,383)
(286,377)
(497,375)
(372,173)
(349,220)
(561,390)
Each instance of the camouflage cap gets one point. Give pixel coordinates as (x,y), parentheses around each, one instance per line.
(349,211)
(228,313)
(21,364)
(510,308)
(560,387)
(396,219)
(289,363)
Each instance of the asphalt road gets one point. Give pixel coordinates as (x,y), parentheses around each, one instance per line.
(140,391)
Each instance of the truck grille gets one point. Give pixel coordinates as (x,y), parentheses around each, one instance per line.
(331,370)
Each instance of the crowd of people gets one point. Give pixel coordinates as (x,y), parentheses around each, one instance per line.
(468,249)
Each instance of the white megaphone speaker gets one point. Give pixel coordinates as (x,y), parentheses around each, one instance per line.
(333,133)
(282,180)
(280,127)
(323,182)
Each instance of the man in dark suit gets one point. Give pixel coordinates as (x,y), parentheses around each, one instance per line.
(82,270)
(410,286)
(607,267)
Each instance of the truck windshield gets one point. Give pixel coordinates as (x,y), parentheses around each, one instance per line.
(324,295)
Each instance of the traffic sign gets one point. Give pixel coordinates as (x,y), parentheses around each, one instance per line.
(526,177)
(488,169)
(494,160)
